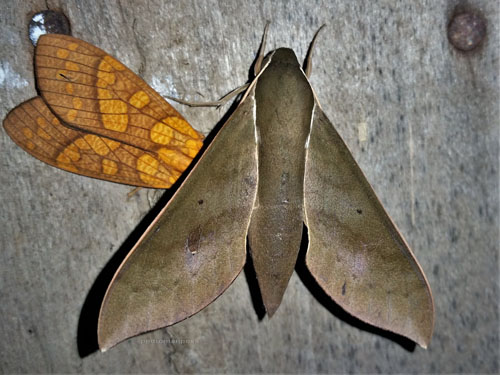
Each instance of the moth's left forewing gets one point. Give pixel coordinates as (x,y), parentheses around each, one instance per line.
(196,246)
(356,253)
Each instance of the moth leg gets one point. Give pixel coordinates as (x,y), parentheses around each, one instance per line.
(260,57)
(133,192)
(216,103)
(308,62)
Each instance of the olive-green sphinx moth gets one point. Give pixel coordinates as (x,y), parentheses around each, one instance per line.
(276,164)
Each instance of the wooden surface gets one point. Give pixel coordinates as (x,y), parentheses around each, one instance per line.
(431,118)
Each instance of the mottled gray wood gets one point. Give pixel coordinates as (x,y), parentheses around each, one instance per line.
(431,152)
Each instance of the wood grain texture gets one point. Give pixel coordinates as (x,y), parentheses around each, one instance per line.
(420,118)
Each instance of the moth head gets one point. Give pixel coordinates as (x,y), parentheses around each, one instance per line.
(282,56)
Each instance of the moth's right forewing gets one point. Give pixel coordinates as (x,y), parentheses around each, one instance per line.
(355,252)
(197,245)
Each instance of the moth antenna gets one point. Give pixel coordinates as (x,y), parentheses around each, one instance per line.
(260,58)
(308,62)
(216,103)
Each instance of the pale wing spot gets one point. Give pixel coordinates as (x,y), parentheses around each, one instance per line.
(104,94)
(72,152)
(104,66)
(112,106)
(41,122)
(72,113)
(177,143)
(174,158)
(77,103)
(69,88)
(82,144)
(175,175)
(182,126)
(55,121)
(194,146)
(62,53)
(109,167)
(72,46)
(152,181)
(107,78)
(72,66)
(30,145)
(139,100)
(27,133)
(147,164)
(61,158)
(114,63)
(43,134)
(162,171)
(101,83)
(165,173)
(97,144)
(188,151)
(115,122)
(70,167)
(161,133)
(64,162)
(163,177)
(113,145)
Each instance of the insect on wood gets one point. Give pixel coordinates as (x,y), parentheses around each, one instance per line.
(276,164)
(95,117)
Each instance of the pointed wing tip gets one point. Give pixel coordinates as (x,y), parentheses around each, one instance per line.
(106,344)
(423,343)
(421,339)
(424,339)
(104,340)
(103,346)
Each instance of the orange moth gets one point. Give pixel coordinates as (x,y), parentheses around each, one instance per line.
(95,117)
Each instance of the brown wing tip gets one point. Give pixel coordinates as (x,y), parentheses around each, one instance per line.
(105,346)
(424,342)
(107,341)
